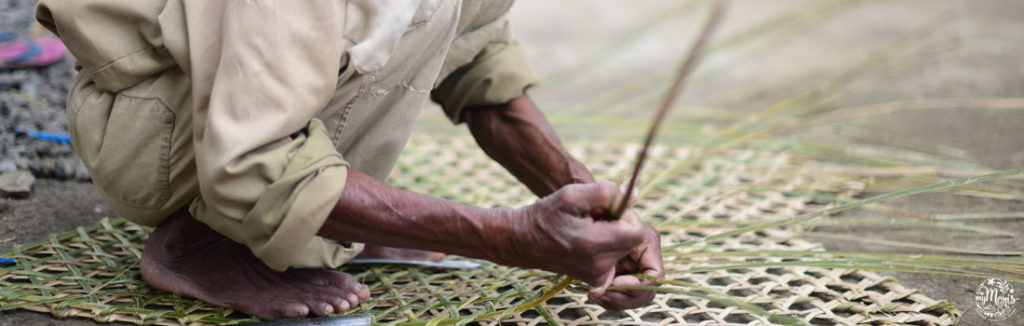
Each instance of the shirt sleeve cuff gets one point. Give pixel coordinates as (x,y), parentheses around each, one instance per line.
(498,74)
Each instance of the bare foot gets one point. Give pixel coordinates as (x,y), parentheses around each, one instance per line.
(185,257)
(372,251)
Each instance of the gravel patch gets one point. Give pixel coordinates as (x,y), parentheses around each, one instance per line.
(33,99)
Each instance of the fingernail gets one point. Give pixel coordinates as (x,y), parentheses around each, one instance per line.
(600,289)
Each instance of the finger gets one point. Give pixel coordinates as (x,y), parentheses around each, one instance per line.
(581,199)
(599,286)
(626,280)
(650,259)
(627,265)
(618,236)
(654,274)
(653,265)
(623,299)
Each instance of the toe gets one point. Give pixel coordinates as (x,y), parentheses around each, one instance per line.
(338,279)
(353,300)
(339,303)
(290,310)
(362,292)
(321,308)
(345,306)
(348,284)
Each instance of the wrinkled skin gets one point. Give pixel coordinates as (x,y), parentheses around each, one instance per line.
(612,258)
(557,233)
(643,259)
(519,137)
(565,232)
(186,257)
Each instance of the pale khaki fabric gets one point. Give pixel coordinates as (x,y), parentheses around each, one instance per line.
(237,108)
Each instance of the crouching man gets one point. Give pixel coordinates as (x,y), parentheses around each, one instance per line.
(255,136)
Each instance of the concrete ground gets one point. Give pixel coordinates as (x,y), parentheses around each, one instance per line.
(609,61)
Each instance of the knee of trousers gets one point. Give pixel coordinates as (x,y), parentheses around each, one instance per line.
(137,144)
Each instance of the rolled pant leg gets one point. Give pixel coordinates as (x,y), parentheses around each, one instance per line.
(137,145)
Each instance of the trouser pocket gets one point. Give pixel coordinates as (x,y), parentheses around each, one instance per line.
(132,162)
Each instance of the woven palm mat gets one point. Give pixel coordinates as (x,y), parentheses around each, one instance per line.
(92,272)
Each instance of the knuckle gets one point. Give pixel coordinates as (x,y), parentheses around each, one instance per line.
(632,235)
(571,194)
(606,184)
(606,190)
(573,197)
(652,232)
(639,237)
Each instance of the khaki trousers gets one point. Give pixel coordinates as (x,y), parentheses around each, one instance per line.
(131,114)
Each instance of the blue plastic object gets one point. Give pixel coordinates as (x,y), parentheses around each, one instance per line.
(60,138)
(8,260)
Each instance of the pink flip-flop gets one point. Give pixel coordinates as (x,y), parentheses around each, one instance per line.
(40,51)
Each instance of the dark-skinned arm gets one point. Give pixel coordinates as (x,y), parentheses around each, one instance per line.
(551,234)
(517,136)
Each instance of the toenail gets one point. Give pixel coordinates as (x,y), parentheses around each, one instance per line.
(297,310)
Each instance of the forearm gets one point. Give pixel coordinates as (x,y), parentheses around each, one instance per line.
(553,234)
(373,212)
(517,136)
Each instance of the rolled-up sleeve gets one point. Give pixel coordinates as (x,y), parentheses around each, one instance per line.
(484,65)
(261,69)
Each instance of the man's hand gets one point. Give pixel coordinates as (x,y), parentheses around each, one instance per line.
(558,234)
(568,238)
(644,259)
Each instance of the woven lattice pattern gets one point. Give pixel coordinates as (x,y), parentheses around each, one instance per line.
(92,272)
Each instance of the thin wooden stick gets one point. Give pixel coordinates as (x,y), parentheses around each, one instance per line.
(717,11)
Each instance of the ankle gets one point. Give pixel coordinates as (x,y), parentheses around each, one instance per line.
(181,234)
